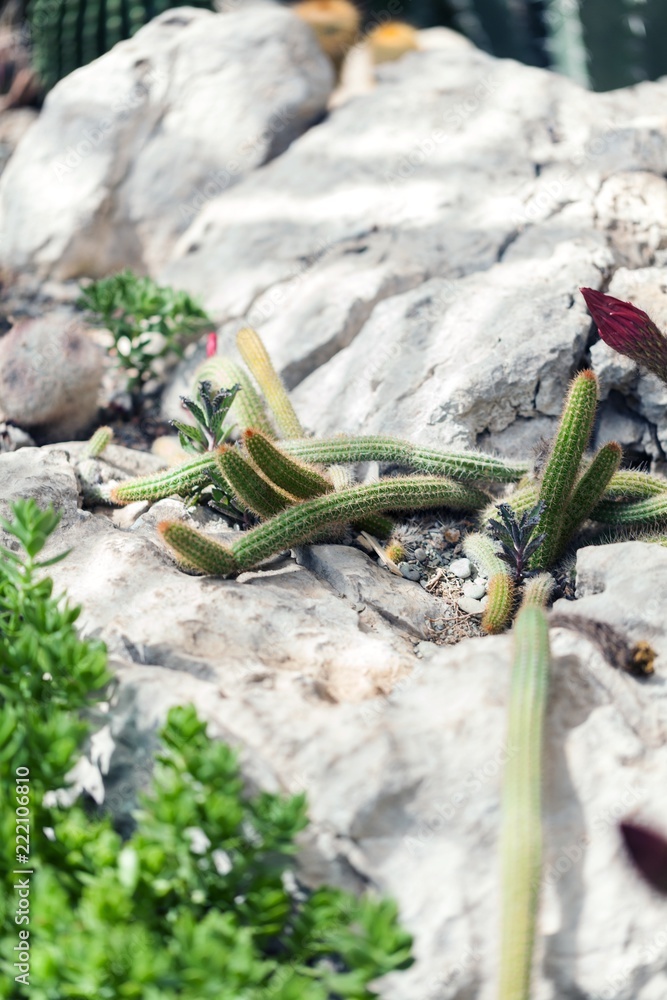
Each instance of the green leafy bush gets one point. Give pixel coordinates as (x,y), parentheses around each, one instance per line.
(147,321)
(201,900)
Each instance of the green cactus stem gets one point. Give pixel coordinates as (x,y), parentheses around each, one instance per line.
(342,478)
(183,481)
(196,551)
(500,603)
(588,491)
(538,591)
(98,442)
(460,465)
(500,591)
(256,357)
(562,468)
(521,833)
(248,409)
(252,489)
(300,522)
(294,477)
(650,512)
(629,485)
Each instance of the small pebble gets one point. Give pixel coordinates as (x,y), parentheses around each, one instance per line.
(461,568)
(452,535)
(409,572)
(474,590)
(470,606)
(420,554)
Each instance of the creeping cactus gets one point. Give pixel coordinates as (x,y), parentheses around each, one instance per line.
(588,491)
(248,409)
(463,465)
(481,550)
(293,476)
(521,832)
(256,357)
(183,481)
(252,489)
(300,522)
(538,591)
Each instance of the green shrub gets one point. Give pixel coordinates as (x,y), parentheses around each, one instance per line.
(147,321)
(201,900)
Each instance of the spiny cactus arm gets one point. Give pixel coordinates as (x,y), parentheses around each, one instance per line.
(252,489)
(183,481)
(247,410)
(500,603)
(630,485)
(538,590)
(588,491)
(375,524)
(258,361)
(482,551)
(300,522)
(461,465)
(521,832)
(196,551)
(98,442)
(296,478)
(560,473)
(650,512)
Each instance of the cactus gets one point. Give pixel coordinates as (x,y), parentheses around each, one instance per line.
(588,491)
(466,466)
(392,40)
(287,473)
(183,481)
(500,603)
(98,442)
(258,361)
(650,512)
(521,833)
(562,466)
(68,34)
(500,592)
(300,522)
(336,25)
(248,486)
(247,410)
(395,551)
(538,591)
(196,551)
(628,485)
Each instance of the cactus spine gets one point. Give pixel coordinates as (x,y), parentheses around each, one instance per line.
(461,465)
(98,442)
(258,361)
(562,466)
(183,481)
(252,490)
(629,485)
(500,591)
(300,522)
(521,834)
(588,490)
(247,409)
(287,473)
(649,512)
(197,551)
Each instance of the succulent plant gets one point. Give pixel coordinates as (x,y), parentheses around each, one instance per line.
(257,359)
(98,442)
(248,409)
(210,413)
(391,40)
(516,536)
(500,591)
(336,24)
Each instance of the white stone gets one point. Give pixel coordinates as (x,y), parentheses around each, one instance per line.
(461,568)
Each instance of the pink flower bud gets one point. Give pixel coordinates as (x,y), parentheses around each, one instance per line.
(628,330)
(212,344)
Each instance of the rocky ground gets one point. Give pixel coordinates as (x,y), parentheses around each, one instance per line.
(412,259)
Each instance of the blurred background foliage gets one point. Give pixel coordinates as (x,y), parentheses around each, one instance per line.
(602,44)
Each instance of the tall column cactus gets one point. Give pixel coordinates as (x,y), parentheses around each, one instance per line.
(521,832)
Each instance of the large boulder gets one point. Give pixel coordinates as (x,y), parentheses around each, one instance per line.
(128,148)
(413,263)
(315,670)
